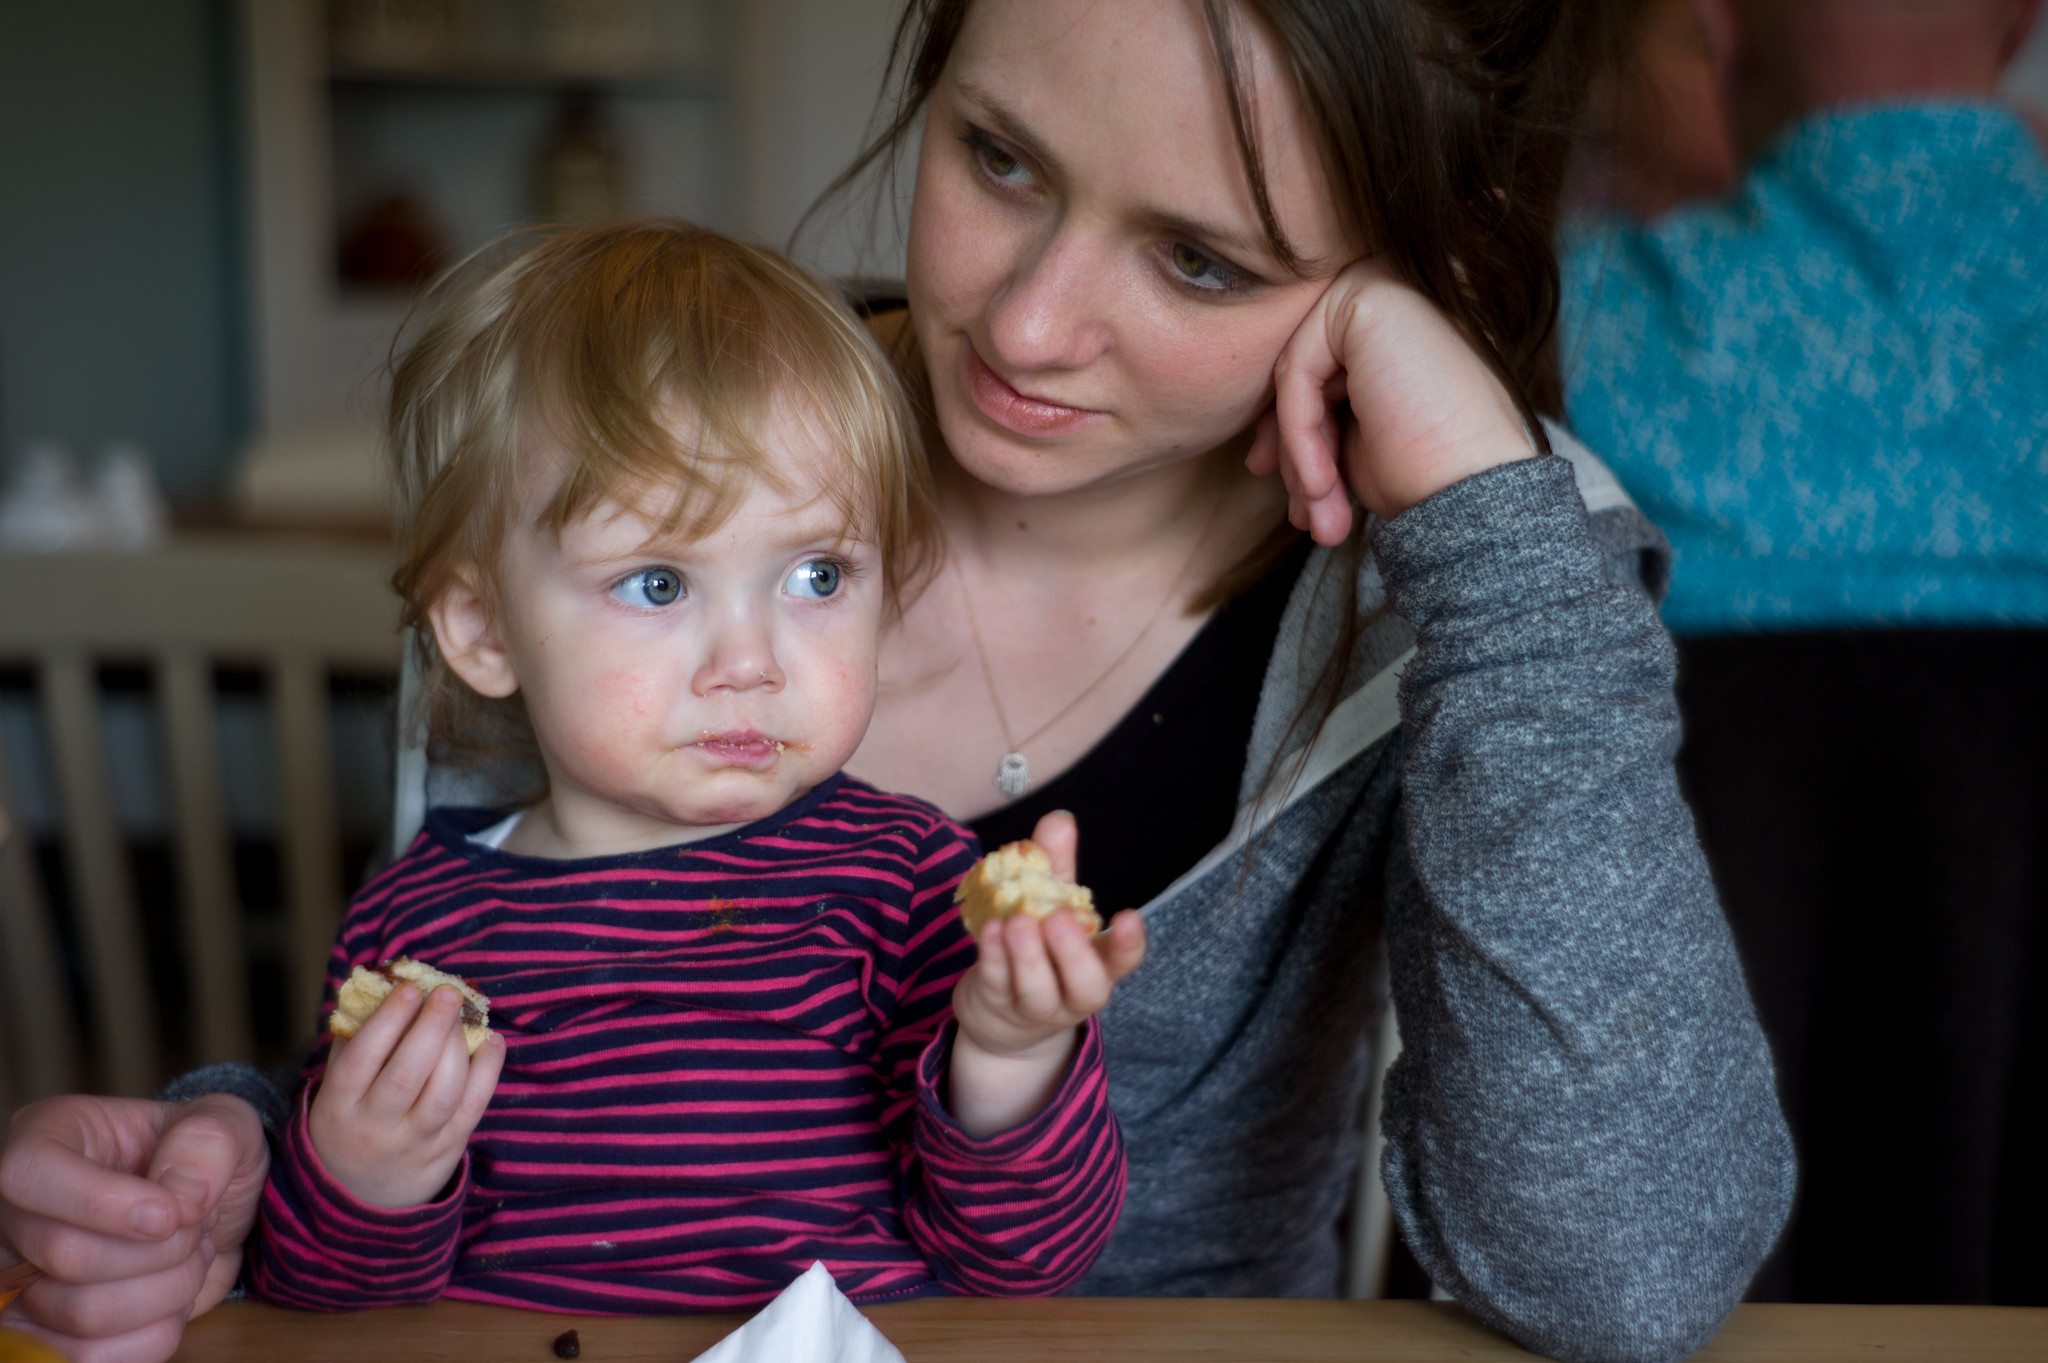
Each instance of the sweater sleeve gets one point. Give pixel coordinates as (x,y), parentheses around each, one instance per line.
(1584,1145)
(1023,1212)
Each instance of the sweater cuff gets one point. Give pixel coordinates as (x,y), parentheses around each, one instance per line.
(1500,540)
(943,1138)
(329,1202)
(246,1082)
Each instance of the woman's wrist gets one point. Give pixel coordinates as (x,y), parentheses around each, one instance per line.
(991,1090)
(1467,459)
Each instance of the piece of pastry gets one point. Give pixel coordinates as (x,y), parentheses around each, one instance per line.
(1018,879)
(365,988)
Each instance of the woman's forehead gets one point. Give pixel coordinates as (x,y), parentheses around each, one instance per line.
(1125,101)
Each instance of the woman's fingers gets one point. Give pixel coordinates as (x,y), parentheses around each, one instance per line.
(212,1152)
(221,1278)
(99,1310)
(69,1254)
(1308,386)
(81,1222)
(153,1343)
(1060,836)
(77,1160)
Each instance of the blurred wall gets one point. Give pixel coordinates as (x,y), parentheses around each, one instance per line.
(120,311)
(815,69)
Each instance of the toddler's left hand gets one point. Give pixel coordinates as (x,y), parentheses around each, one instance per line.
(1034,983)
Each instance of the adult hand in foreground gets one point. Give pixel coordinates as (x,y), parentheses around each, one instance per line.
(135,1211)
(1426,411)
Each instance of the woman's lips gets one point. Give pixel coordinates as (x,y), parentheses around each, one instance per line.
(741,748)
(1014,411)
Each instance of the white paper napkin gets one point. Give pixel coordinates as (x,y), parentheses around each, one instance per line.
(811,1322)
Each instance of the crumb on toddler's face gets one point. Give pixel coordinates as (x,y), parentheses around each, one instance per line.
(705,681)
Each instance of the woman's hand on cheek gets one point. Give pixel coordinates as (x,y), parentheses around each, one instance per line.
(1426,411)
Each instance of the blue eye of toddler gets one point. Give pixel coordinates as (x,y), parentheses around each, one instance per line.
(817,579)
(650,587)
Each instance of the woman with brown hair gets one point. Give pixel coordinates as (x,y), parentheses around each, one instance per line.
(1159,251)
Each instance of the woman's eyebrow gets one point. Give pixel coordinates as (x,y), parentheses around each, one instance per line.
(1244,246)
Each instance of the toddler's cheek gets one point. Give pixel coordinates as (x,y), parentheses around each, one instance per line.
(608,726)
(842,707)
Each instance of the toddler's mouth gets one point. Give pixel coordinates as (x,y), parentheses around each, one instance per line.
(748,748)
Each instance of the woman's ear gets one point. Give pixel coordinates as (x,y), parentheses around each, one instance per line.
(467,635)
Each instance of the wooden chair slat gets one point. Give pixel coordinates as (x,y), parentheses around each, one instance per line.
(211,918)
(38,1011)
(98,864)
(311,842)
(199,602)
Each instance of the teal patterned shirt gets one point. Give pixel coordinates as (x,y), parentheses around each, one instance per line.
(1831,390)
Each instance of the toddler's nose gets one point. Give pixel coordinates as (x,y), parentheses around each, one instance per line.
(742,658)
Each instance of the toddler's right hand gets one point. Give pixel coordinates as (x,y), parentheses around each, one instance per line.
(400,1099)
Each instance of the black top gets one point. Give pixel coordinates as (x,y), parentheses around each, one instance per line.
(1160,789)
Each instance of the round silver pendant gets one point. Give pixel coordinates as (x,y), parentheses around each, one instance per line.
(1013,774)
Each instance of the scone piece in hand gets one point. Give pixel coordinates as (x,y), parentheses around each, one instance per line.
(364,989)
(1018,878)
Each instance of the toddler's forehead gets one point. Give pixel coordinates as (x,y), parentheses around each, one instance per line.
(700,471)
(760,506)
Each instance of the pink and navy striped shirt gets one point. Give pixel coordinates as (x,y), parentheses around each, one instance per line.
(723,1061)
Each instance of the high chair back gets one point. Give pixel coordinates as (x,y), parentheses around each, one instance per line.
(292,609)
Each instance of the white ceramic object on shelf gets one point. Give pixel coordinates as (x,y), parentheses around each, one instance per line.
(48,508)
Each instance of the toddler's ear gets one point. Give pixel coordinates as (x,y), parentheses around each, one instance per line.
(467,636)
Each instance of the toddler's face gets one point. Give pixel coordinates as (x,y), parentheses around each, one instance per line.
(701,682)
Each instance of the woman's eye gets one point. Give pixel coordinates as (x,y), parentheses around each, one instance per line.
(1001,164)
(815,580)
(1202,270)
(649,588)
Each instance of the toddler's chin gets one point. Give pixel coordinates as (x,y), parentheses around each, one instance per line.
(742,798)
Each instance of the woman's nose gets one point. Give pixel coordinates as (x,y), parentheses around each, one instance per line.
(1049,313)
(741,658)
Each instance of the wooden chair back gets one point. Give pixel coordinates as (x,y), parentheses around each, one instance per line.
(292,608)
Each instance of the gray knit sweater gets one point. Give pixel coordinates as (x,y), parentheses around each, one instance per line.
(1584,1145)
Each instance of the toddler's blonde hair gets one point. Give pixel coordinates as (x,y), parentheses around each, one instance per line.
(641,360)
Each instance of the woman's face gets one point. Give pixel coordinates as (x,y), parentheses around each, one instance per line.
(1091,285)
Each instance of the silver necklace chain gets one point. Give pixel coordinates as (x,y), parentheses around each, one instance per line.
(1013,772)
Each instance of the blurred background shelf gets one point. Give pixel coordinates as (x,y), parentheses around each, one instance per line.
(388,138)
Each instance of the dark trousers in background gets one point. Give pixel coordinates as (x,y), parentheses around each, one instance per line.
(1875,808)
